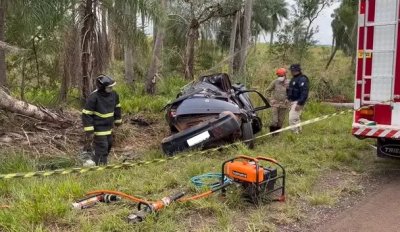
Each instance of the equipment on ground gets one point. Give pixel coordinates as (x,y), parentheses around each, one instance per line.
(145,209)
(377,78)
(212,111)
(92,200)
(258,183)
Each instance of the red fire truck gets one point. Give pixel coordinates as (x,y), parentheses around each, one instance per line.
(377,80)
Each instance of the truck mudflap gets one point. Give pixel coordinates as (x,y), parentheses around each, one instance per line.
(388,148)
(201,135)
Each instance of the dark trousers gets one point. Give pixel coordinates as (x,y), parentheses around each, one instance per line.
(102,147)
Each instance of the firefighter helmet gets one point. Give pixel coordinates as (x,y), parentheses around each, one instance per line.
(103,81)
(281,72)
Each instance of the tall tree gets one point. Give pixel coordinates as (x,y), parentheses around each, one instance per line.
(248,11)
(232,43)
(87,34)
(307,11)
(344,27)
(198,13)
(277,11)
(155,64)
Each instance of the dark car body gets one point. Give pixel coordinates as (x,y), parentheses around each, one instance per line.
(209,111)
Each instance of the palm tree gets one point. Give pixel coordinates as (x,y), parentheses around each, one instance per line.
(344,27)
(277,11)
(268,15)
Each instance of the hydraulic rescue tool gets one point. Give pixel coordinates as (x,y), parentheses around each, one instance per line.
(258,180)
(147,208)
(93,199)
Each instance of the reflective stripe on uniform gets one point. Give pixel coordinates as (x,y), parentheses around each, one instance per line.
(88,128)
(118,121)
(108,115)
(87,112)
(99,133)
(118,105)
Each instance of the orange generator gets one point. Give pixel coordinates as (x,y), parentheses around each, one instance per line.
(258,181)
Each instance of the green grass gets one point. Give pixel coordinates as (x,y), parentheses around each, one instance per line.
(43,204)
(324,198)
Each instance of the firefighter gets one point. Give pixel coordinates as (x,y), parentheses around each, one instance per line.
(297,93)
(102,111)
(277,93)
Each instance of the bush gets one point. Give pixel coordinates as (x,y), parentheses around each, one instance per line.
(133,99)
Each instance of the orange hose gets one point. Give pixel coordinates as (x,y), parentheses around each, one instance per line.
(195,197)
(121,194)
(138,200)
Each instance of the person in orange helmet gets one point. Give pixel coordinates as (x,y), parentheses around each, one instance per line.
(276,91)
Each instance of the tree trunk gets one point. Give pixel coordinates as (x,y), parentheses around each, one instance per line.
(191,37)
(105,43)
(86,38)
(129,64)
(143,17)
(22,87)
(271,38)
(233,41)
(238,45)
(65,83)
(154,69)
(112,39)
(248,10)
(3,67)
(154,34)
(13,105)
(70,62)
(331,58)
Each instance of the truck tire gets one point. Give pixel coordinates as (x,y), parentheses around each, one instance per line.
(247,134)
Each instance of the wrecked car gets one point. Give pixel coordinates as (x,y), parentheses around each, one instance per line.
(212,111)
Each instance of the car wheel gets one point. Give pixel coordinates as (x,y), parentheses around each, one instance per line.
(247,134)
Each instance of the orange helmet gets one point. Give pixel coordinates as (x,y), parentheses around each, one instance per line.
(280,72)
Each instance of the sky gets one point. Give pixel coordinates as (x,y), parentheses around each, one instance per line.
(324,35)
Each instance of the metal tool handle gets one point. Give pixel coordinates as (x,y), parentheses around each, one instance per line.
(267,159)
(246,158)
(176,196)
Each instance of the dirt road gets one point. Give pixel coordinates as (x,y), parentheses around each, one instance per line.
(380,211)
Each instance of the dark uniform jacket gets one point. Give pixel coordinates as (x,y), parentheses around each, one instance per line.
(101,111)
(298,89)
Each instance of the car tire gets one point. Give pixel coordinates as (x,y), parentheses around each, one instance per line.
(247,134)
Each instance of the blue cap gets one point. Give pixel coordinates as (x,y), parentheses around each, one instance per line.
(295,67)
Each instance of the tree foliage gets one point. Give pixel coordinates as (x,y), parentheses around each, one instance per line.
(65,45)
(344,27)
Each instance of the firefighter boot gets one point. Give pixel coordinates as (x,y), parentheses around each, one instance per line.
(277,128)
(273,129)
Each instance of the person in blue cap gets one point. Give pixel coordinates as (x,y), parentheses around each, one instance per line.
(297,94)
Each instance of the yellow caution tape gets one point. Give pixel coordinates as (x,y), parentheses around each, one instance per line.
(139,163)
